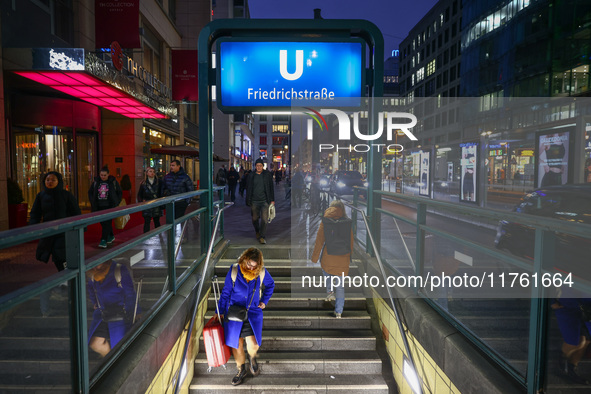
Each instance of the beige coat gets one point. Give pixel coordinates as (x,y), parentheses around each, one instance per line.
(334,265)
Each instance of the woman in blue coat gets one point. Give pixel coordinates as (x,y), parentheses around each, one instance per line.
(111,291)
(244,290)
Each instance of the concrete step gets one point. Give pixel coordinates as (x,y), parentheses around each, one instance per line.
(270,252)
(338,362)
(59,308)
(287,270)
(312,287)
(283,284)
(41,378)
(266,384)
(315,340)
(284,301)
(313,320)
(49,388)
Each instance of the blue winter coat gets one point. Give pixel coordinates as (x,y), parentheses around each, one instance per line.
(241,295)
(177,183)
(110,295)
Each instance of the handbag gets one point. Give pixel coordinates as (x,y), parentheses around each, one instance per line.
(121,221)
(237,313)
(271,212)
(113,313)
(240,313)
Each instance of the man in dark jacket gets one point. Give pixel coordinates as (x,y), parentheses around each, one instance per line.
(259,195)
(105,193)
(176,182)
(233,178)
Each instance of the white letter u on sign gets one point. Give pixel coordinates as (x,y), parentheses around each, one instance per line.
(299,65)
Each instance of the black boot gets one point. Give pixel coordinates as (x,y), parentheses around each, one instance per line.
(255,369)
(236,380)
(571,374)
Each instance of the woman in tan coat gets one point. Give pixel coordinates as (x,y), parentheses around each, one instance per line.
(332,243)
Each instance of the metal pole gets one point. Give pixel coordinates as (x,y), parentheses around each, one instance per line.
(394,307)
(196,302)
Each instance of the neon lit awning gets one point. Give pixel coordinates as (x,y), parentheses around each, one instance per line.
(93,90)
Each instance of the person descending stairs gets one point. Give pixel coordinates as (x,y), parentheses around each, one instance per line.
(304,347)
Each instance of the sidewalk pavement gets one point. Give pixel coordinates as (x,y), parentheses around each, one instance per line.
(238,226)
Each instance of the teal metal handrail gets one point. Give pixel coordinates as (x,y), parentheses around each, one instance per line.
(545,228)
(77,265)
(217,217)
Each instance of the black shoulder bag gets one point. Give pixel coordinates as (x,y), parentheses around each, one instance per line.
(240,313)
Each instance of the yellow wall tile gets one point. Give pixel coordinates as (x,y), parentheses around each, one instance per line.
(441,387)
(428,373)
(434,379)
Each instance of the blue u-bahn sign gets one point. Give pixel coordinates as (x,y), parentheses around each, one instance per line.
(255,75)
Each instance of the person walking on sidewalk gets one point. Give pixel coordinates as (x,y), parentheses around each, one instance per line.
(52,203)
(105,193)
(243,179)
(150,190)
(334,245)
(259,195)
(297,188)
(176,182)
(233,178)
(221,178)
(247,290)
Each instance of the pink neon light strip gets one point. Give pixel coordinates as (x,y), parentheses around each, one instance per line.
(92,90)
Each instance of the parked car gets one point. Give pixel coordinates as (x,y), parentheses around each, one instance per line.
(571,203)
(342,182)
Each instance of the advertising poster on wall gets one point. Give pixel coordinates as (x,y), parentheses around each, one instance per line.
(552,159)
(469,178)
(424,177)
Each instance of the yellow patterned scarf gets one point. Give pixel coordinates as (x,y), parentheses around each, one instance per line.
(250,274)
(99,273)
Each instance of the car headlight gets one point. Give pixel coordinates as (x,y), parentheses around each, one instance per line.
(443,184)
(341,184)
(365,184)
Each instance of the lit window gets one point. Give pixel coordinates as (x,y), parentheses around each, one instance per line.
(420,74)
(431,67)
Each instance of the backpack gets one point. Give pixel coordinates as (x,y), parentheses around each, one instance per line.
(221,181)
(337,235)
(261,275)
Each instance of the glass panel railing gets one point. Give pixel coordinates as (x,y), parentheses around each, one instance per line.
(398,245)
(35,344)
(487,296)
(122,288)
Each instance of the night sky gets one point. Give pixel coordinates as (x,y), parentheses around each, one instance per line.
(393,18)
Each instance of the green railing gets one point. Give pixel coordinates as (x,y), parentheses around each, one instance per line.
(78,264)
(412,219)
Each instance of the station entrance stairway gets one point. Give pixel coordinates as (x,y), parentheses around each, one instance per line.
(305,348)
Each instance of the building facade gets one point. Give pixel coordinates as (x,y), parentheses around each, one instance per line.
(74,102)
